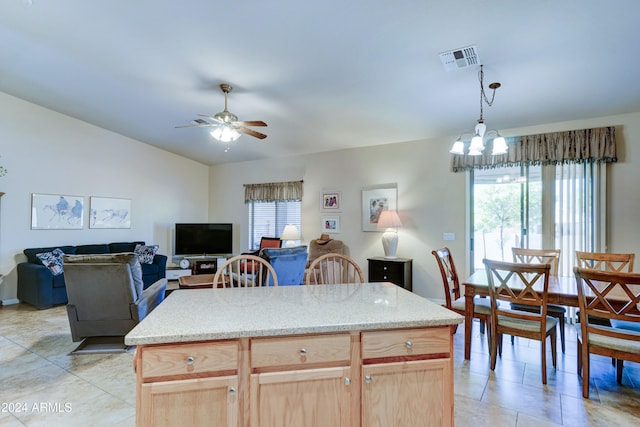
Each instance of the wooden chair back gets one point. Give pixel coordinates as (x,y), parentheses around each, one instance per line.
(449,275)
(538,256)
(614,296)
(605,261)
(334,268)
(608,295)
(518,283)
(233,273)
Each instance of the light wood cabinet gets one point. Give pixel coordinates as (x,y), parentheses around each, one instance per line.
(310,397)
(291,384)
(369,378)
(407,378)
(193,402)
(407,394)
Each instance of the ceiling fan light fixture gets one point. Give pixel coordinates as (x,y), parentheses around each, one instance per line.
(225,133)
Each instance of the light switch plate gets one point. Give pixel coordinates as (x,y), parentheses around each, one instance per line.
(449,236)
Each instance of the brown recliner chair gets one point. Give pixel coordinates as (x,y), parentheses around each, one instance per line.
(105,294)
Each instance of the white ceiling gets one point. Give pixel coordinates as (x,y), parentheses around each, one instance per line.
(324,75)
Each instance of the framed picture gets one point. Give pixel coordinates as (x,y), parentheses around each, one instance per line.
(57,212)
(376,199)
(331,224)
(331,201)
(108,212)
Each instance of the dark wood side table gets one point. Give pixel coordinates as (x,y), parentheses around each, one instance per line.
(395,270)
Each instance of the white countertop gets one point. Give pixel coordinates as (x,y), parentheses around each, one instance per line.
(211,314)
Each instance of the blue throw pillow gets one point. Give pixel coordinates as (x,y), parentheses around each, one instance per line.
(52,260)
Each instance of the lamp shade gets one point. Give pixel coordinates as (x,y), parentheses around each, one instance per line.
(290,232)
(389,220)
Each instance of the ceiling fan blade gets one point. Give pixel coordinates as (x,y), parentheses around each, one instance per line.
(251,132)
(209,117)
(199,125)
(252,123)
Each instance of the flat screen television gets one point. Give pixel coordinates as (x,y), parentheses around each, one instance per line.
(203,239)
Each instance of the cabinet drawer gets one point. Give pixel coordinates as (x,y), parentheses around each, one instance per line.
(292,351)
(193,358)
(405,342)
(386,271)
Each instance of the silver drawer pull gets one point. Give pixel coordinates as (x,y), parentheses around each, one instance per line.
(303,352)
(367,379)
(347,381)
(232,390)
(409,344)
(190,360)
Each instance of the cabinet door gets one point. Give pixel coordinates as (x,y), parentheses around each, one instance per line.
(193,402)
(417,393)
(312,397)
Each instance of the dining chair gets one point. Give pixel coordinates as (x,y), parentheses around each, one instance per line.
(334,268)
(232,273)
(605,261)
(542,256)
(453,300)
(614,296)
(521,284)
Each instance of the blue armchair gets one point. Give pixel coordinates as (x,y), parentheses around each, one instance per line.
(289,263)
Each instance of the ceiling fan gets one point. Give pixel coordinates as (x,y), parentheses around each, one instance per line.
(227,127)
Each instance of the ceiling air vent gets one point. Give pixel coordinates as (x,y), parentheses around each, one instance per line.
(460,58)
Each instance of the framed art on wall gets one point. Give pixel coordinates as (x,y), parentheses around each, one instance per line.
(109,212)
(376,199)
(331,201)
(57,211)
(331,224)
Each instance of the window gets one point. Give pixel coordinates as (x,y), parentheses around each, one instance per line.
(269,218)
(271,206)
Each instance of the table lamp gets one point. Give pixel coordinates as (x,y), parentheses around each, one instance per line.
(289,235)
(390,221)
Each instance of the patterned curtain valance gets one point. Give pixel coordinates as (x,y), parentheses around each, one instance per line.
(576,146)
(273,192)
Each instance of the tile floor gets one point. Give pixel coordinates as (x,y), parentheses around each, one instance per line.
(40,384)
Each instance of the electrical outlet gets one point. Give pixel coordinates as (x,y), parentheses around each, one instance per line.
(449,236)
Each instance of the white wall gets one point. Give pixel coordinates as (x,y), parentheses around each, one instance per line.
(46,152)
(431,199)
(50,153)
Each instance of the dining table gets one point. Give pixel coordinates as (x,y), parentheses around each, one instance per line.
(563,290)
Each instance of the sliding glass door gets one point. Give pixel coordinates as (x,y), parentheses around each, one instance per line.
(506,211)
(538,207)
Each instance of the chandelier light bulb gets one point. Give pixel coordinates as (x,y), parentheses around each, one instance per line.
(458,147)
(499,146)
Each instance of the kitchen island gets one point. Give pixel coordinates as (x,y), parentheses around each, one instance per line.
(324,355)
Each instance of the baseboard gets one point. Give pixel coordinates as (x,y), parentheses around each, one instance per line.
(10,301)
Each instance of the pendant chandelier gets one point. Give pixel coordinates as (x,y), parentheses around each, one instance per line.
(477,142)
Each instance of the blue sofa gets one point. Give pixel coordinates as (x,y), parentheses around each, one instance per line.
(39,287)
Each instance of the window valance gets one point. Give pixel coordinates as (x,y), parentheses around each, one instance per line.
(273,192)
(596,145)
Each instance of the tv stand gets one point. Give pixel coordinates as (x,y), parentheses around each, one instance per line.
(201,264)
